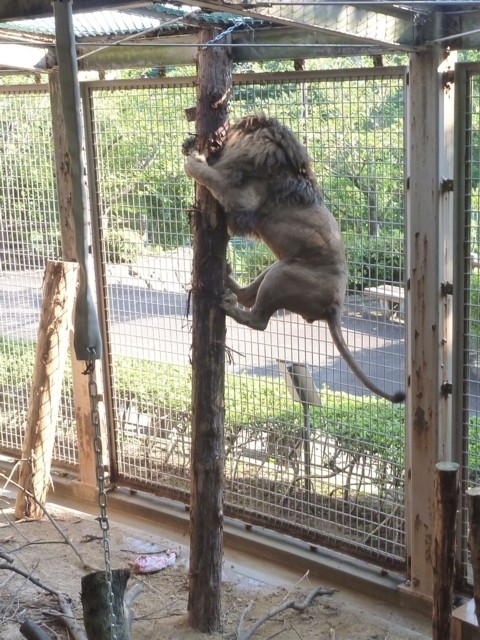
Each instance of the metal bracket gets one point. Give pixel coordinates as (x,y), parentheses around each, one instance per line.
(446,185)
(448,78)
(446,388)
(446,288)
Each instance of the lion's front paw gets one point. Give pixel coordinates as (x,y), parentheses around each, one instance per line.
(193,163)
(229,301)
(189,145)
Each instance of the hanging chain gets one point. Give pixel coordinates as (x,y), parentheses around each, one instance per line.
(226,32)
(102,494)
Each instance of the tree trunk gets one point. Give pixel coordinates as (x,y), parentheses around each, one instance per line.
(96,615)
(208,353)
(446,499)
(52,348)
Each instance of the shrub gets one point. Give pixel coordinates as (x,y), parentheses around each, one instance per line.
(123,245)
(248,259)
(474,311)
(372,261)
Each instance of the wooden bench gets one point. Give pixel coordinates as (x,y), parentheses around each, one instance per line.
(390,297)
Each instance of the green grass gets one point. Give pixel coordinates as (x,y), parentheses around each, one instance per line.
(366,425)
(17,358)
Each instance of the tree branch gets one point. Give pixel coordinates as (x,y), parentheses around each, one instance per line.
(65,610)
(245,633)
(52,521)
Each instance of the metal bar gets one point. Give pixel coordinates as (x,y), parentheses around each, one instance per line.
(277,77)
(446,257)
(354,24)
(100,281)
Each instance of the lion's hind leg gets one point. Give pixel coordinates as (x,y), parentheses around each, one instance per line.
(266,294)
(250,318)
(247,295)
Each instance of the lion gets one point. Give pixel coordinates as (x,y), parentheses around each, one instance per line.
(263,179)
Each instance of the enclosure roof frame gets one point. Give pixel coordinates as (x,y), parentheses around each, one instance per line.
(257,30)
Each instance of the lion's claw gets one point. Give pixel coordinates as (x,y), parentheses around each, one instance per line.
(189,145)
(229,300)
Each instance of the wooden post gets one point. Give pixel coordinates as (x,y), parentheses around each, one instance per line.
(96,615)
(446,502)
(473,503)
(52,348)
(429,435)
(81,398)
(208,353)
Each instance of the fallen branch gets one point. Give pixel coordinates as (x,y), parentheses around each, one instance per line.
(52,521)
(6,556)
(32,631)
(243,633)
(128,600)
(65,610)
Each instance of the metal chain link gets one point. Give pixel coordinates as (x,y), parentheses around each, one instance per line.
(221,35)
(102,494)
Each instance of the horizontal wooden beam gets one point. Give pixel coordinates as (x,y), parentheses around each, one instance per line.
(23,58)
(18,9)
(281,43)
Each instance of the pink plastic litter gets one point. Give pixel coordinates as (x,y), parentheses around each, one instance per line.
(152,563)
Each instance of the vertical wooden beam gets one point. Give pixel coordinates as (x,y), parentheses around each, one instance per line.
(446,503)
(62,169)
(86,456)
(208,352)
(428,347)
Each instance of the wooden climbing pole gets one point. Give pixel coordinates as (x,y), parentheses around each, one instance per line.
(208,351)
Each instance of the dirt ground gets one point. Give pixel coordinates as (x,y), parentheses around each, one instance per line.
(160,610)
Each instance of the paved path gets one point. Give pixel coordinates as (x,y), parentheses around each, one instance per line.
(149,322)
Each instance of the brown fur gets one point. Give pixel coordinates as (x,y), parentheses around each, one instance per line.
(263,179)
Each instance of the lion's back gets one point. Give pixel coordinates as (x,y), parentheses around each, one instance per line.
(263,150)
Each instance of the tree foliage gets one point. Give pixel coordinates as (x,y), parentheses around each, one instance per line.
(352,127)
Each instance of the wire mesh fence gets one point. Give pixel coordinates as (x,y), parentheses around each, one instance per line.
(328,471)
(29,235)
(350,493)
(469,382)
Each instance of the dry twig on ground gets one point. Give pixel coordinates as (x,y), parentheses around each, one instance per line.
(65,610)
(244,633)
(51,520)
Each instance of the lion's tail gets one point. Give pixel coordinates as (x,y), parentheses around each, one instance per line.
(336,332)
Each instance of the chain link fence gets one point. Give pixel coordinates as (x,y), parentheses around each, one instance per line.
(330,472)
(467,386)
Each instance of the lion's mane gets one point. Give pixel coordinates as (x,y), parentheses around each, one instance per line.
(262,147)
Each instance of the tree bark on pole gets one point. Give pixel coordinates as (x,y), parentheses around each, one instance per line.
(473,503)
(95,614)
(52,348)
(208,351)
(446,502)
